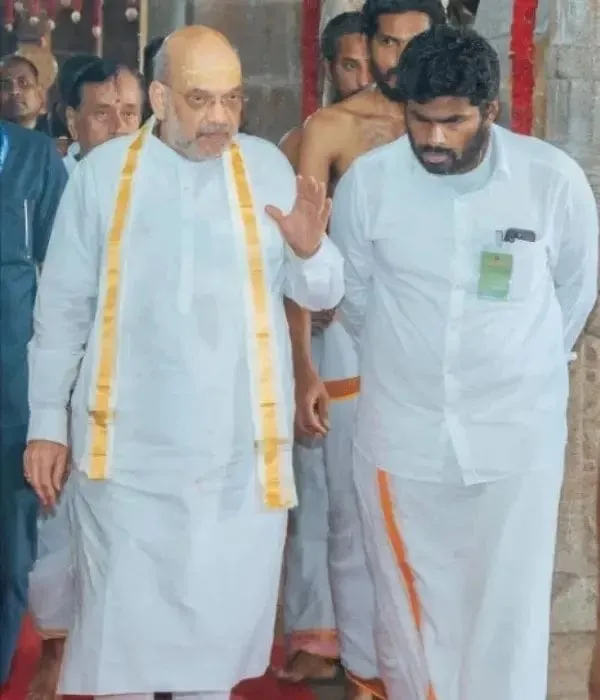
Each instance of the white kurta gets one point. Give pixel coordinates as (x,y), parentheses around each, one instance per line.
(177,559)
(461,416)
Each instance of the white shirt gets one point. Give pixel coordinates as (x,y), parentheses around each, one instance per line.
(71,160)
(455,387)
(181,385)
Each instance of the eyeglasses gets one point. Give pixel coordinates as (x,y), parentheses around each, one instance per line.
(203,102)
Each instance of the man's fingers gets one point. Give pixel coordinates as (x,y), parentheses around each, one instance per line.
(322,408)
(58,473)
(326,213)
(275,213)
(317,425)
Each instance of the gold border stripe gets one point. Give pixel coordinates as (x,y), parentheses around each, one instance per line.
(266,380)
(101,413)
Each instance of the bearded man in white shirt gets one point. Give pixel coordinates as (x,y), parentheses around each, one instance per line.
(471,264)
(169,332)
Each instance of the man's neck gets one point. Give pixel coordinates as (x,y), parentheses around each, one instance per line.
(28,123)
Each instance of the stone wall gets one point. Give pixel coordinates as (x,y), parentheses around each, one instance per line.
(267,35)
(573,123)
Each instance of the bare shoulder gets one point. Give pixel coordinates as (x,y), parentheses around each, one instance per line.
(290,145)
(329,122)
(362,104)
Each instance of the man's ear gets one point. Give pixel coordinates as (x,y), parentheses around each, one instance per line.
(71,123)
(492,111)
(158,99)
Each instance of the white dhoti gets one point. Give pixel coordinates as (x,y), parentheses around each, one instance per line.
(351,583)
(148,602)
(51,587)
(309,621)
(463,579)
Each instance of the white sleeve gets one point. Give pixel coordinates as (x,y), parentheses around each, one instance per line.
(348,230)
(576,268)
(315,283)
(64,308)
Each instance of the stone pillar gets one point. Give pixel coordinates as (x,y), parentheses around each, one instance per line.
(573,123)
(266,33)
(165,17)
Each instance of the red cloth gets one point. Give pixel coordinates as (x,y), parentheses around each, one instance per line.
(522,56)
(309,51)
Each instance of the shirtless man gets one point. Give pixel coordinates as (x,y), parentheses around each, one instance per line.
(309,622)
(331,141)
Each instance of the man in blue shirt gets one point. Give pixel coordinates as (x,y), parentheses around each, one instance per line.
(32,178)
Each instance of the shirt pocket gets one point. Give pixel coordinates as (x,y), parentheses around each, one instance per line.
(16,235)
(529,267)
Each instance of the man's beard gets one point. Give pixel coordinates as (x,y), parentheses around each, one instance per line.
(382,80)
(191,149)
(454,164)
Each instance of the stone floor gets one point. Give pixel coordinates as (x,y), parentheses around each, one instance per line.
(569,663)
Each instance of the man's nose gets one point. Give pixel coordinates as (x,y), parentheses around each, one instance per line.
(120,126)
(436,135)
(364,77)
(217,112)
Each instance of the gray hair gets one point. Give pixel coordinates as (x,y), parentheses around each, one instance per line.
(160,65)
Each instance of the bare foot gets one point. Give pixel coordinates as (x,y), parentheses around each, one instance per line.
(304,666)
(45,681)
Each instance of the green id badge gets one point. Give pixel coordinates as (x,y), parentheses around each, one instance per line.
(495,273)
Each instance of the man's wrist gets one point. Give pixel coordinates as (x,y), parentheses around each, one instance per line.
(307,256)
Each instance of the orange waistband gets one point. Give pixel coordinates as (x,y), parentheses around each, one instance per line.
(340,389)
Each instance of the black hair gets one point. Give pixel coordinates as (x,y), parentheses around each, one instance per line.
(446,61)
(23,60)
(137,75)
(150,51)
(373,9)
(70,71)
(94,72)
(341,25)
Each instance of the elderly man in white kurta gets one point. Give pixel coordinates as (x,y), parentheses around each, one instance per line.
(471,267)
(170,327)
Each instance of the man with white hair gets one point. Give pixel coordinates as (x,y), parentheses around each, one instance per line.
(170,335)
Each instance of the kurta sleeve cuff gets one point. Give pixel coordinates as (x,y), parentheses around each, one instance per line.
(48,424)
(317,282)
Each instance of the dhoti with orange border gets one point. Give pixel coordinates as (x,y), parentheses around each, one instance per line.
(351,583)
(463,579)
